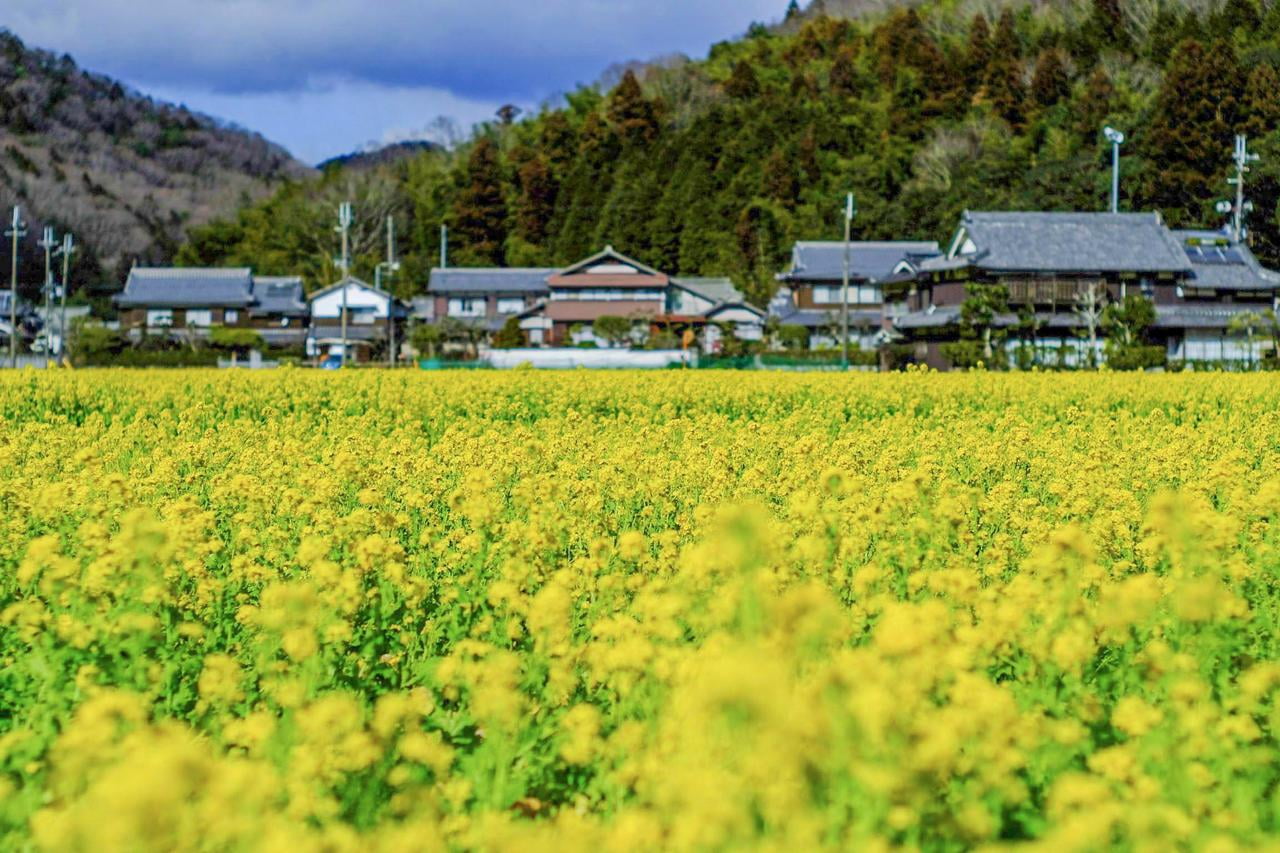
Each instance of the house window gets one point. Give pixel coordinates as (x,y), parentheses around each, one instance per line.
(230,317)
(510,304)
(466,307)
(859,294)
(201,317)
(159,317)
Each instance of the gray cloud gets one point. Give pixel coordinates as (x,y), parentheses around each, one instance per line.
(482,50)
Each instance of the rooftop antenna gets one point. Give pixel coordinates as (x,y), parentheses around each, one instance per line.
(1242,157)
(67,249)
(345,218)
(48,242)
(1116,138)
(17,230)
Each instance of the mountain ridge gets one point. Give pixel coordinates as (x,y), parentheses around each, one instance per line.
(126,173)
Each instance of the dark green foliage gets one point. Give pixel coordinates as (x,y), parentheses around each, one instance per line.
(1191,130)
(480,213)
(1127,321)
(615,330)
(510,336)
(632,114)
(742,83)
(1050,84)
(983,303)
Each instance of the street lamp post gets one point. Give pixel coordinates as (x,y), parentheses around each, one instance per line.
(849,211)
(345,218)
(1116,138)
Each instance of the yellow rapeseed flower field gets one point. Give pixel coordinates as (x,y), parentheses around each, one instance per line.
(610,611)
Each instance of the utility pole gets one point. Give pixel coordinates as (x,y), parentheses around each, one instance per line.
(48,242)
(392,266)
(1116,138)
(844,296)
(345,218)
(68,248)
(1242,157)
(444,246)
(17,230)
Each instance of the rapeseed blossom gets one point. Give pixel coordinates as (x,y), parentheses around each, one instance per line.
(620,611)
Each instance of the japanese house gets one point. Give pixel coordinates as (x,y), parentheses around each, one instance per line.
(559,307)
(180,302)
(812,290)
(373,315)
(1047,262)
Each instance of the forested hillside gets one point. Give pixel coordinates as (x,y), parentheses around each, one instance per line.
(127,174)
(716,166)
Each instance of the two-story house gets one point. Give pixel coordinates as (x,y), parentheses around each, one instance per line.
(185,301)
(560,307)
(1048,263)
(372,316)
(486,297)
(1198,319)
(812,291)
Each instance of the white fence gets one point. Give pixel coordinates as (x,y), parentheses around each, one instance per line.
(568,357)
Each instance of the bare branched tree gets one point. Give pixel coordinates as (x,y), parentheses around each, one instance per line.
(1090,300)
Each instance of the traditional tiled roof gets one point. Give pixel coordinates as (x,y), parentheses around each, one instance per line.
(949,315)
(812,319)
(1040,242)
(489,280)
(178,287)
(931,318)
(278,295)
(572,311)
(1222,264)
(1211,315)
(712,289)
(868,261)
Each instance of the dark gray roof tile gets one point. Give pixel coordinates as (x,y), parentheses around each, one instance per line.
(1073,242)
(489,280)
(178,287)
(868,261)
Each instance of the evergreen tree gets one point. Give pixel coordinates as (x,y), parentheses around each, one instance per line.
(632,115)
(1094,105)
(510,336)
(557,140)
(1050,83)
(977,54)
(1005,89)
(1235,15)
(793,9)
(1164,36)
(742,83)
(781,182)
(1108,25)
(1260,108)
(844,73)
(1190,135)
(536,203)
(480,214)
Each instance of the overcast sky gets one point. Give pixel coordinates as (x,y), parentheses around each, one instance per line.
(325,77)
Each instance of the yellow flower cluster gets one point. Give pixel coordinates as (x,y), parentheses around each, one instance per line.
(614,611)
